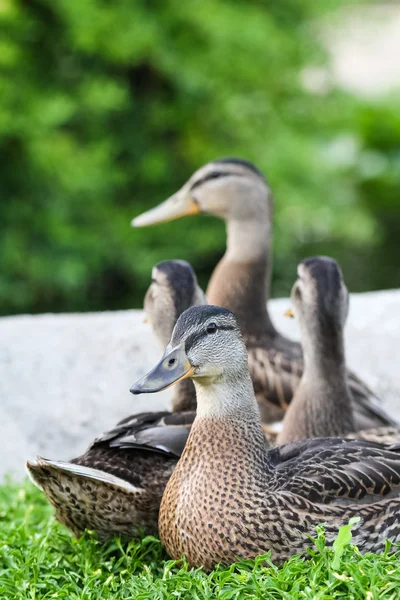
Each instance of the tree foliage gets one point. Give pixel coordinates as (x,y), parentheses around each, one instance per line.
(107,107)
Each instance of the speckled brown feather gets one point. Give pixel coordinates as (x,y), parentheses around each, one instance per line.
(141,452)
(108,507)
(381,435)
(229,499)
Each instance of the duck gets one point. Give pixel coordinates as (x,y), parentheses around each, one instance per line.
(173,289)
(322,404)
(230,497)
(116,485)
(236,191)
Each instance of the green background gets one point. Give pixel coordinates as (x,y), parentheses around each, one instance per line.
(106,108)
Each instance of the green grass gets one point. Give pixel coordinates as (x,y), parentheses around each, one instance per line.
(40,559)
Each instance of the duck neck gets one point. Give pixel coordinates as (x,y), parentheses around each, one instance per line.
(241,280)
(323,351)
(222,407)
(322,405)
(184,396)
(324,363)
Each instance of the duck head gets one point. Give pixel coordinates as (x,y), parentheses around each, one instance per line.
(229,188)
(173,289)
(206,345)
(320,297)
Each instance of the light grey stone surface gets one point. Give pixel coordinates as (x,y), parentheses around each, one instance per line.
(66,378)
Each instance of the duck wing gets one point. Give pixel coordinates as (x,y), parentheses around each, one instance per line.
(276,373)
(85,497)
(41,464)
(117,484)
(336,471)
(382,435)
(155,432)
(275,377)
(368,411)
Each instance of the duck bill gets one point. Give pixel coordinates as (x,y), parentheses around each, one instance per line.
(173,367)
(176,206)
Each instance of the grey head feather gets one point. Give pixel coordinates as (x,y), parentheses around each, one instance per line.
(325,275)
(226,167)
(193,322)
(242,162)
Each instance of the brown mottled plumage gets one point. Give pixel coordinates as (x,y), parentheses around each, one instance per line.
(236,191)
(117,484)
(86,494)
(322,405)
(229,497)
(380,435)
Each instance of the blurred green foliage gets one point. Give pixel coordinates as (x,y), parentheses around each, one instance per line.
(107,107)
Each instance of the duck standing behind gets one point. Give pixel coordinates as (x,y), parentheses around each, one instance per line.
(322,405)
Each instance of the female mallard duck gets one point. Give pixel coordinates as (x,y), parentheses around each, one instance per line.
(229,497)
(117,484)
(322,405)
(236,191)
(174,288)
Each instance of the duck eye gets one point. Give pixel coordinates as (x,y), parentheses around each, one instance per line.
(171,362)
(211,328)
